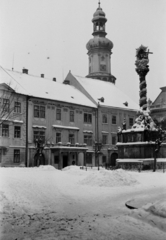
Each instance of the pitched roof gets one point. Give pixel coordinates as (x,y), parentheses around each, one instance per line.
(43,88)
(113,97)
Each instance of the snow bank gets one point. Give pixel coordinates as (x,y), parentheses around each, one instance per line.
(47,167)
(74,170)
(107,178)
(158,209)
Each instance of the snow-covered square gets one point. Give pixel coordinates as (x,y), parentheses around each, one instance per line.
(45,203)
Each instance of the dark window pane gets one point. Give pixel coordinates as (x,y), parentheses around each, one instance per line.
(71,116)
(89,158)
(42,111)
(72,138)
(113,140)
(58,114)
(6,104)
(56,159)
(5,130)
(16,156)
(17,107)
(131,122)
(87,118)
(88,140)
(104,118)
(113,119)
(58,137)
(17,132)
(104,139)
(39,135)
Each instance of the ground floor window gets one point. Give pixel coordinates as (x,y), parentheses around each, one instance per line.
(56,159)
(16,156)
(89,158)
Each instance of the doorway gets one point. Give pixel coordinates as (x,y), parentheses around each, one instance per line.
(114,156)
(65,161)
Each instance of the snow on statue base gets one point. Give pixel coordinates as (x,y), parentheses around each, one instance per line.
(141,143)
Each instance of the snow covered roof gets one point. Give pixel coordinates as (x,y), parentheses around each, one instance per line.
(66,127)
(113,97)
(43,88)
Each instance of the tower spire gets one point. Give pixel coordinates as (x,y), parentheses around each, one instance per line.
(99,49)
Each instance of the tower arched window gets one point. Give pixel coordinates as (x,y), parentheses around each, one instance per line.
(101,26)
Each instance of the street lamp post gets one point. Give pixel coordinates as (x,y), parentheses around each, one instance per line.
(98,145)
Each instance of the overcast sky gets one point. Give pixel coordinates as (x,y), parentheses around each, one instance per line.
(50,36)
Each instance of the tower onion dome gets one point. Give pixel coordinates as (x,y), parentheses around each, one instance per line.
(99,43)
(99,14)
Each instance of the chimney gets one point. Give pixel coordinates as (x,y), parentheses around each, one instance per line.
(42,75)
(54,79)
(24,70)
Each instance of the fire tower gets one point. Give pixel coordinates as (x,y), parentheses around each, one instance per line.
(99,49)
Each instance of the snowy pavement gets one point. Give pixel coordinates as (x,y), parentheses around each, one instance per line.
(45,203)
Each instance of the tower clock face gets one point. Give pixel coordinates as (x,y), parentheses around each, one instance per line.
(102,67)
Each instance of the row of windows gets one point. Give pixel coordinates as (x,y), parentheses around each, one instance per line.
(6,106)
(114,119)
(40,110)
(71,138)
(87,138)
(38,134)
(5,131)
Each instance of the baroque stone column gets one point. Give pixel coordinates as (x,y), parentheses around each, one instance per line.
(142,68)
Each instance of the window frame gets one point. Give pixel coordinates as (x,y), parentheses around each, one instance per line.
(104,118)
(88,139)
(115,140)
(58,137)
(72,139)
(16,156)
(131,119)
(89,158)
(88,118)
(5,130)
(39,135)
(6,105)
(17,107)
(104,139)
(39,111)
(58,114)
(71,116)
(17,131)
(114,119)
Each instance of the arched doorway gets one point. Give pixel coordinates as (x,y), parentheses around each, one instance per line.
(114,156)
(39,159)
